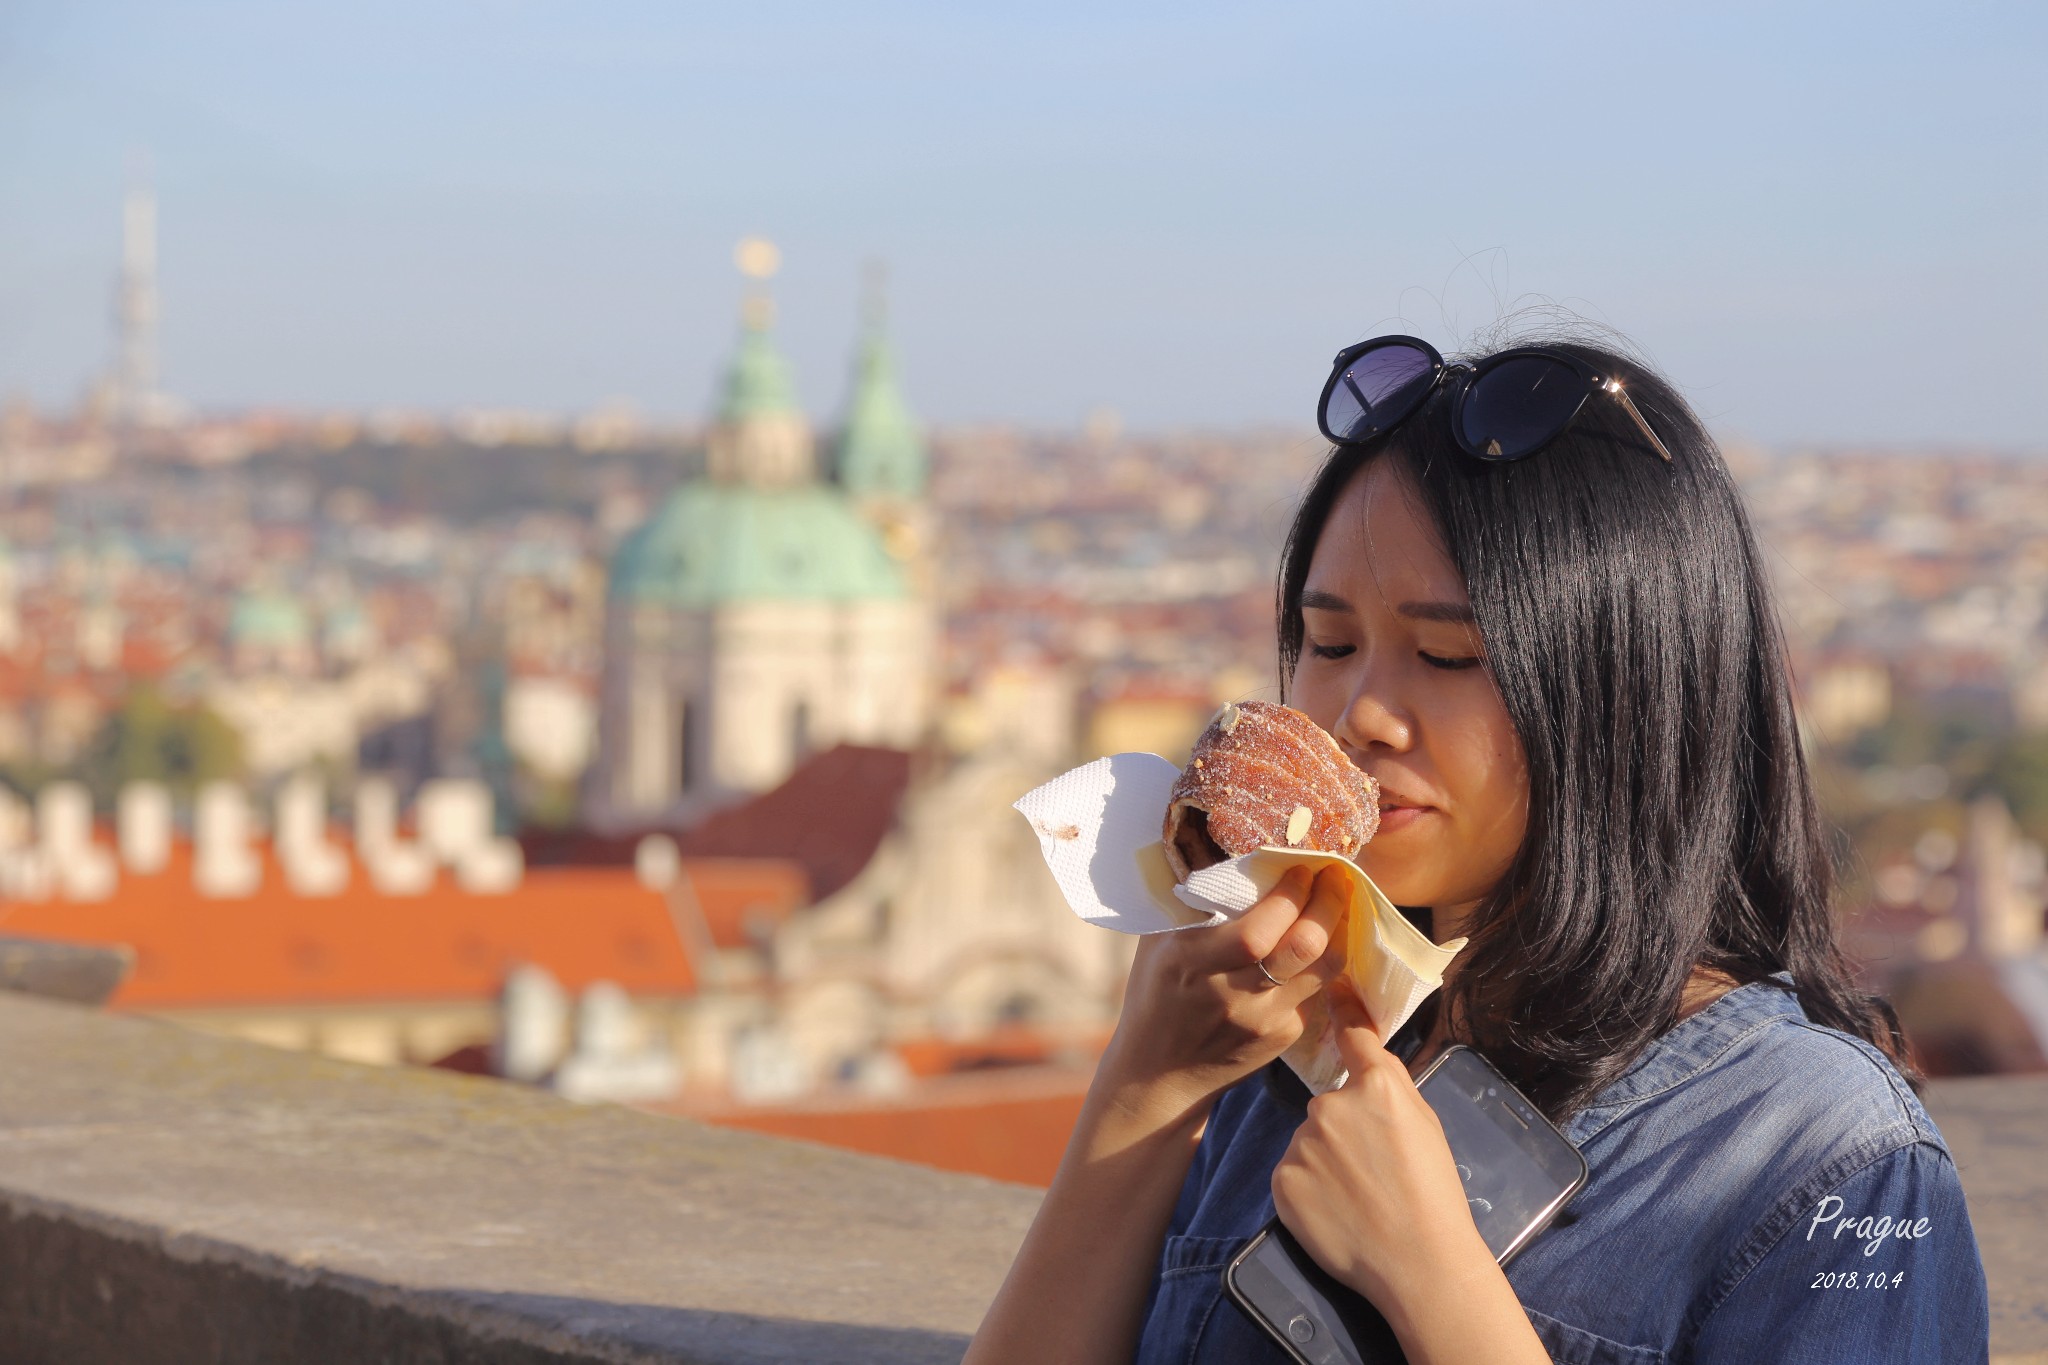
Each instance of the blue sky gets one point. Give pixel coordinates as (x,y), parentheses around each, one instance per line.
(1825,221)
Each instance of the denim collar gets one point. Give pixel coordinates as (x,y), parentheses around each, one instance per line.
(1699,1040)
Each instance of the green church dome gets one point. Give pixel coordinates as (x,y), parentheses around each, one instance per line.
(713,543)
(880,449)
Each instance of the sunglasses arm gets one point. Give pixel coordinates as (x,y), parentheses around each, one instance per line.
(1614,387)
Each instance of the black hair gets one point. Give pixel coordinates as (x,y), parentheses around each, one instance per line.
(1630,628)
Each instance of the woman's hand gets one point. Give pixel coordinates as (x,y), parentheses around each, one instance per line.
(1370,1190)
(1199,1015)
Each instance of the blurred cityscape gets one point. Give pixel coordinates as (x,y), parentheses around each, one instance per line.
(673,765)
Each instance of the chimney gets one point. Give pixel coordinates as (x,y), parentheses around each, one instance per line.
(16,830)
(223,864)
(533,1020)
(24,871)
(458,828)
(395,868)
(80,870)
(455,817)
(657,862)
(142,826)
(312,865)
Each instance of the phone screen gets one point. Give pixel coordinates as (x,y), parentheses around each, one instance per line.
(1516,1166)
(1518,1169)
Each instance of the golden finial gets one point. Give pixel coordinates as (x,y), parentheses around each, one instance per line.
(757,258)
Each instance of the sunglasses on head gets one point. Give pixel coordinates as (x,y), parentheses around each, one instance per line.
(1506,407)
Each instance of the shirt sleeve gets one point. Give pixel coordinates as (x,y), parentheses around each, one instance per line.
(1224,1118)
(1883,1268)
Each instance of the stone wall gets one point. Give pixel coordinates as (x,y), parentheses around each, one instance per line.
(171,1197)
(166,1196)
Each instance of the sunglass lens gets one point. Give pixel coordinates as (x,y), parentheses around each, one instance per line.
(1376,390)
(1517,406)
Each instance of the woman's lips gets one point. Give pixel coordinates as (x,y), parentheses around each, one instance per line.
(1397,814)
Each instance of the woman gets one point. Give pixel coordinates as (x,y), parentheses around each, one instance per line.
(1525,596)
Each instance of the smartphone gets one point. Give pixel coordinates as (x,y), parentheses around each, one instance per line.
(1519,1172)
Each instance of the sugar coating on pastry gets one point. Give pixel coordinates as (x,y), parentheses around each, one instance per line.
(1264,774)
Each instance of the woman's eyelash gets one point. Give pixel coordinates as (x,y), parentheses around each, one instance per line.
(1433,660)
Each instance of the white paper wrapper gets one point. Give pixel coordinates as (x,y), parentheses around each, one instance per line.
(1099,828)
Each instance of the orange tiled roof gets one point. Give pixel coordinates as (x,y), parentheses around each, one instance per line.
(1004,1047)
(1008,1125)
(276,947)
(743,896)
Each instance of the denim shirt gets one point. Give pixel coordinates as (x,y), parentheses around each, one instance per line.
(1732,1170)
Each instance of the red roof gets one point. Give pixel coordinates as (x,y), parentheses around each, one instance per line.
(583,924)
(830,816)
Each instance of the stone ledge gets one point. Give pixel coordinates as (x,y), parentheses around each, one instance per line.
(170,1197)
(166,1196)
(1996,1128)
(84,973)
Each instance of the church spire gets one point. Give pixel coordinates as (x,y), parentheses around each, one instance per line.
(881,452)
(760,436)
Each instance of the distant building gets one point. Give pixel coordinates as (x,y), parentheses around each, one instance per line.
(768,609)
(130,393)
(1845,696)
(268,632)
(1955,940)
(549,723)
(933,918)
(288,720)
(1152,716)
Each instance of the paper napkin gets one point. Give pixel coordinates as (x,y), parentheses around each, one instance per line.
(1099,827)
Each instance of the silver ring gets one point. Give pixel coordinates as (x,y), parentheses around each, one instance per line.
(1263,971)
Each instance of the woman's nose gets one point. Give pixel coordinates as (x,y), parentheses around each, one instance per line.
(1373,721)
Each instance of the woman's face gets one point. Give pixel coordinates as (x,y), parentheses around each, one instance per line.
(1393,667)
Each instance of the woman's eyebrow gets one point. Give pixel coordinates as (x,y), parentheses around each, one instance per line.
(1458,613)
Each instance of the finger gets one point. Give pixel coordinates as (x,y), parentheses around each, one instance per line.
(1306,944)
(1260,928)
(1289,1178)
(1358,1042)
(1324,969)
